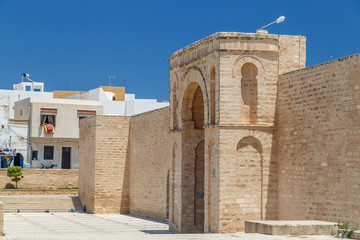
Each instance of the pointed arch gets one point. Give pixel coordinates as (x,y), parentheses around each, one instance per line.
(194,75)
(173,102)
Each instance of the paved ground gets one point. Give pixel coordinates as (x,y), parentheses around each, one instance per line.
(41,226)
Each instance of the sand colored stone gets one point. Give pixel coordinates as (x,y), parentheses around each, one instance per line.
(243,139)
(43,179)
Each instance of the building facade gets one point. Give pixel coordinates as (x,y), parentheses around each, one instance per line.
(14,132)
(59,148)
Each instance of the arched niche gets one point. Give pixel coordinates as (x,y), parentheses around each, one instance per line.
(249,178)
(249,71)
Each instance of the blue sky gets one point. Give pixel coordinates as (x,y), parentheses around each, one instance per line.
(76,44)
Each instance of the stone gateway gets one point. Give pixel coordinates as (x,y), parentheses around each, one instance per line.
(250,134)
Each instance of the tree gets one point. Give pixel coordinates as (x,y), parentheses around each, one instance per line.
(14,172)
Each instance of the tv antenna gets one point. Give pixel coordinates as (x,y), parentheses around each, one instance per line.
(111,77)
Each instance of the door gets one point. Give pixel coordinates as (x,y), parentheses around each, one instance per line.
(66,157)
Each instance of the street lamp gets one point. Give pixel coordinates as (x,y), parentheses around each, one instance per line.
(279,20)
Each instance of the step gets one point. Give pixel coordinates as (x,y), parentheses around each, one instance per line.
(291,227)
(40,203)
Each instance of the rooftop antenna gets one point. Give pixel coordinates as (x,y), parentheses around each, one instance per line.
(279,20)
(111,77)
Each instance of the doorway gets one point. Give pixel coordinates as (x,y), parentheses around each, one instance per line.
(66,158)
(193,136)
(18,160)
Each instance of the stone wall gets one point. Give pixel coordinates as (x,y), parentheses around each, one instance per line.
(43,178)
(104,163)
(87,143)
(150,155)
(319,126)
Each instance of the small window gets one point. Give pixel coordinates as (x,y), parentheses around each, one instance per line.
(47,119)
(114,98)
(28,88)
(84,116)
(35,155)
(48,152)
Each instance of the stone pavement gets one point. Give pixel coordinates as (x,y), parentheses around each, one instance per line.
(41,226)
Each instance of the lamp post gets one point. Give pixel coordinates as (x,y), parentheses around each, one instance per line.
(279,20)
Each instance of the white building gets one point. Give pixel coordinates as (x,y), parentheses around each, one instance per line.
(13,132)
(131,105)
(30,99)
(59,148)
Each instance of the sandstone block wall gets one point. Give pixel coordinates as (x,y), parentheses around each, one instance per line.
(87,143)
(43,179)
(247,177)
(150,155)
(319,126)
(104,163)
(1,218)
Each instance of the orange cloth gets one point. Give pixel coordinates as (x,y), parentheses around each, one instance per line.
(49,128)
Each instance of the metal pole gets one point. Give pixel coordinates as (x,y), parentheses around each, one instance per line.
(28,139)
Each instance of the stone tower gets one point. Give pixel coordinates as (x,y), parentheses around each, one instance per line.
(223,93)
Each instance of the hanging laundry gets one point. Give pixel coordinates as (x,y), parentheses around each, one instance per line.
(49,128)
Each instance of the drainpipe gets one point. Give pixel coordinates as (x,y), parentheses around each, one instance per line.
(28,139)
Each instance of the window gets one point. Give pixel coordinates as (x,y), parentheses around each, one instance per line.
(47,118)
(48,152)
(28,88)
(48,115)
(85,113)
(35,155)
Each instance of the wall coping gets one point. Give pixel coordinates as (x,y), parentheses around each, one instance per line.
(321,64)
(4,192)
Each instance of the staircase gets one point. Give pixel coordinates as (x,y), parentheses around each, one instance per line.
(40,203)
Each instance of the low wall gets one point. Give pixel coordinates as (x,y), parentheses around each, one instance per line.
(43,179)
(8,192)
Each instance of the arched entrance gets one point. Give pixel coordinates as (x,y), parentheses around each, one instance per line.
(192,148)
